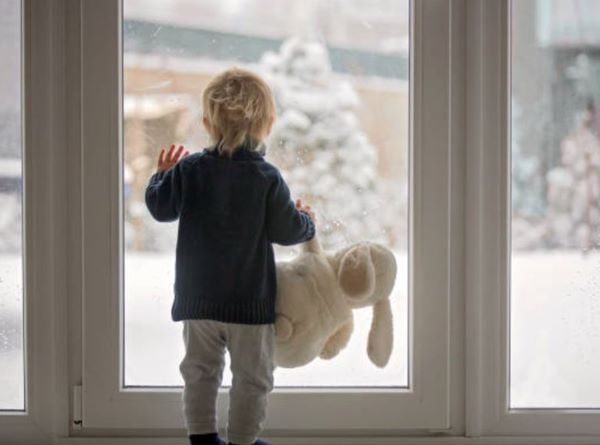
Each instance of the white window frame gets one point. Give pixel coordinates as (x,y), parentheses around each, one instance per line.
(488,243)
(426,405)
(59,42)
(45,163)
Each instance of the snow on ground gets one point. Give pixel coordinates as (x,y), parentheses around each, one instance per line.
(555,311)
(555,333)
(11,329)
(147,317)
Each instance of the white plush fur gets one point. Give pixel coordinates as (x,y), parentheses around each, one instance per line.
(317,292)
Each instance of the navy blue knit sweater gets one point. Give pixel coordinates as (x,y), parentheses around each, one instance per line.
(230,211)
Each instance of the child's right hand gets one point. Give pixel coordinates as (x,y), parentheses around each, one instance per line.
(307,209)
(168,161)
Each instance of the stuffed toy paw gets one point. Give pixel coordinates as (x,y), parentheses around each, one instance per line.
(316,293)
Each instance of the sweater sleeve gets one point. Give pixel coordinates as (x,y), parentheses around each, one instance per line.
(286,225)
(163,194)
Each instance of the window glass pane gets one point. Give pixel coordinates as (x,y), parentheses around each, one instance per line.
(339,72)
(12,389)
(555,295)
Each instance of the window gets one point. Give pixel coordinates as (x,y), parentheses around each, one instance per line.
(554,355)
(160,68)
(530,303)
(12,383)
(341,140)
(499,215)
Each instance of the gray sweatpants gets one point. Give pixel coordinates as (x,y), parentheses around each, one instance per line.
(251,351)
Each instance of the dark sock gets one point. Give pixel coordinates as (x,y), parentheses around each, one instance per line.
(205,439)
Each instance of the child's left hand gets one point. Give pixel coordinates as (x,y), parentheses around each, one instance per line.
(171,158)
(306,208)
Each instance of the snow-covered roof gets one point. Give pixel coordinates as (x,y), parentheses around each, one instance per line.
(164,41)
(349,24)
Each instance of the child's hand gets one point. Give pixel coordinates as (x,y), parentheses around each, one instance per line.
(307,209)
(171,158)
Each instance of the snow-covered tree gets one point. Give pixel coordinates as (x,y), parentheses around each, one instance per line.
(326,158)
(574,190)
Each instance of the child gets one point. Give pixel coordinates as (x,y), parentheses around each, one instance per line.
(231,206)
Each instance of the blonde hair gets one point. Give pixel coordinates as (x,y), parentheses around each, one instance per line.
(239,108)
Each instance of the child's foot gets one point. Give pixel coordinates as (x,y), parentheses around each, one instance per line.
(206,439)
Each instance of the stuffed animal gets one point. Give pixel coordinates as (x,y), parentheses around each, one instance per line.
(317,292)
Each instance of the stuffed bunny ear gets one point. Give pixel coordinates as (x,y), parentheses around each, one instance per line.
(381,335)
(356,273)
